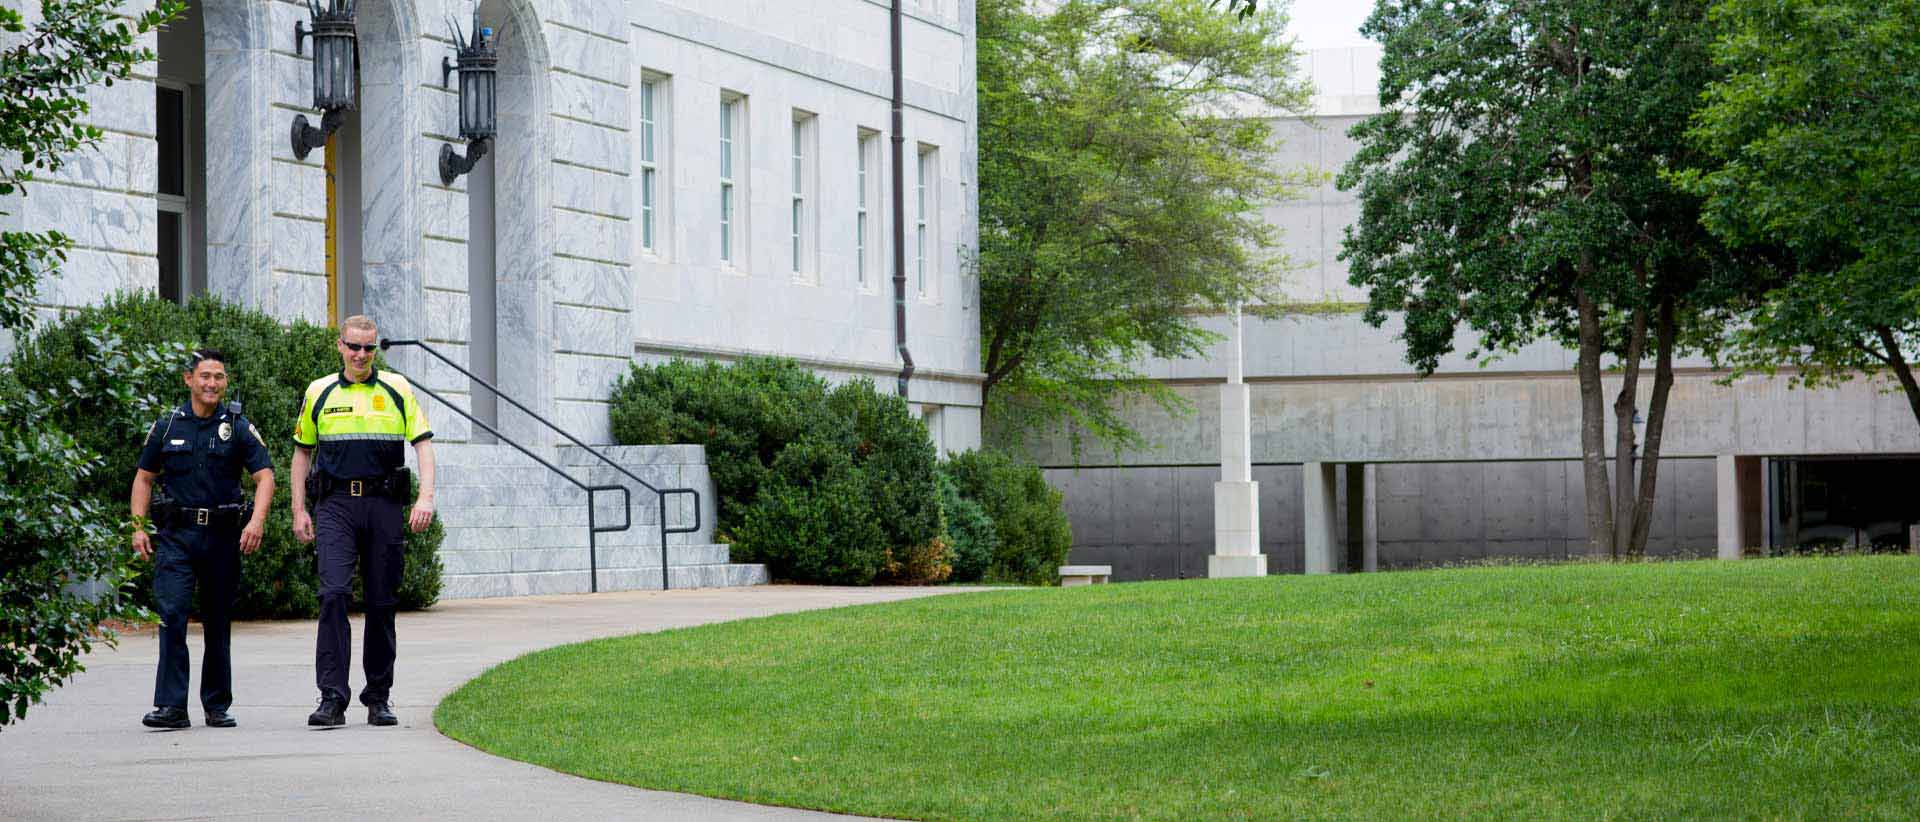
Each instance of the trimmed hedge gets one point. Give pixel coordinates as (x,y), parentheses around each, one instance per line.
(1032,529)
(270,365)
(830,485)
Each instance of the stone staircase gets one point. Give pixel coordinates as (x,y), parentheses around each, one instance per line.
(515,528)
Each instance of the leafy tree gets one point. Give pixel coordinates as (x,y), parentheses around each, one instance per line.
(1514,184)
(63,563)
(1124,160)
(1816,130)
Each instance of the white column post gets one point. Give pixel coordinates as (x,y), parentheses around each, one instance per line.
(1371,554)
(1726,500)
(1236,497)
(1317,480)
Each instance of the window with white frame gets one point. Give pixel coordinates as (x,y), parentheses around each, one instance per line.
(866,243)
(733,162)
(926,199)
(650,156)
(172,110)
(801,213)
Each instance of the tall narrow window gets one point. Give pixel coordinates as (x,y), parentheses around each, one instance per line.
(869,235)
(926,202)
(726,181)
(731,134)
(171,198)
(803,199)
(649,165)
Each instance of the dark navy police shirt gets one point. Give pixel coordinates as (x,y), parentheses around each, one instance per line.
(199,459)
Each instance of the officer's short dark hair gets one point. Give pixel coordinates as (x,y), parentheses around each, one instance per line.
(201,355)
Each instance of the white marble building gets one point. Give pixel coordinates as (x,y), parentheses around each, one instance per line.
(593,233)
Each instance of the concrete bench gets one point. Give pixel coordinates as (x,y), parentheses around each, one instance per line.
(1071,575)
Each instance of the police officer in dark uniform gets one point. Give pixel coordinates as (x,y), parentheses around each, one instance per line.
(349,465)
(201,524)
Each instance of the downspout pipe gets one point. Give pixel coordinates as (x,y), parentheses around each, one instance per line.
(899,212)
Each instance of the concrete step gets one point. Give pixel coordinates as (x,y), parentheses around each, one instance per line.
(731,575)
(570,558)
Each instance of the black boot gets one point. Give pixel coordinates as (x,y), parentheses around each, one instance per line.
(331,713)
(379,714)
(171,716)
(220,719)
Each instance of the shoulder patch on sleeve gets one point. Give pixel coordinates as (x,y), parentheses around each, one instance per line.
(255,429)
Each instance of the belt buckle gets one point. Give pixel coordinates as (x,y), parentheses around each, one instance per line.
(199,516)
(355,488)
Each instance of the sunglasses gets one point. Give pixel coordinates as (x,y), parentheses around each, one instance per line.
(357,347)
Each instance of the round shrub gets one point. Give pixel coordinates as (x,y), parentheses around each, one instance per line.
(969,532)
(823,485)
(1031,525)
(270,365)
(812,520)
(744,413)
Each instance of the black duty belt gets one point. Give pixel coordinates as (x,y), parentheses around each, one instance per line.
(221,517)
(397,486)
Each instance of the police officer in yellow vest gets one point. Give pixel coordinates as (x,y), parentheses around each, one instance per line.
(349,467)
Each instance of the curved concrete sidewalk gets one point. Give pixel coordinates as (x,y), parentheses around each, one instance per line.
(84,755)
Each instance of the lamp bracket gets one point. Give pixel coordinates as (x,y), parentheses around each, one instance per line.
(300,35)
(452,165)
(446,70)
(306,138)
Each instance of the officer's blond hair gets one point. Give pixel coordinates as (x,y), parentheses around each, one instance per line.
(359,322)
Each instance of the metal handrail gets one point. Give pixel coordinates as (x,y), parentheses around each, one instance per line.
(592,545)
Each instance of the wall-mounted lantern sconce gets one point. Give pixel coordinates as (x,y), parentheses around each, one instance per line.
(477,65)
(335,66)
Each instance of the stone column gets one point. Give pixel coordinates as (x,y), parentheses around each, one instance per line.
(1317,480)
(1236,497)
(243,131)
(1731,531)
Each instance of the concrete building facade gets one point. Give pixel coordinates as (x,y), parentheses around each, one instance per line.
(671,178)
(1361,464)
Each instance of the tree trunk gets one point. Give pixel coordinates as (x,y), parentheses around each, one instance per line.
(1624,406)
(1668,338)
(1901,368)
(1593,429)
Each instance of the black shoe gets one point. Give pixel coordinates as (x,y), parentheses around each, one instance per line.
(379,714)
(220,719)
(168,717)
(332,712)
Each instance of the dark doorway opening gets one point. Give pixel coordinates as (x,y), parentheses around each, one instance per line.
(1828,504)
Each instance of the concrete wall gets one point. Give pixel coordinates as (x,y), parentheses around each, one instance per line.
(1157,522)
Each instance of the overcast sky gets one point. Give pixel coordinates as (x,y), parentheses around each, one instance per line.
(1329,23)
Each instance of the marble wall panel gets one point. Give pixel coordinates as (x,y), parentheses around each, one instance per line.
(592,236)
(586,377)
(589,283)
(111,164)
(586,420)
(300,245)
(449,316)
(587,98)
(594,191)
(89,277)
(300,296)
(600,55)
(125,107)
(591,145)
(299,190)
(443,264)
(106,220)
(591,330)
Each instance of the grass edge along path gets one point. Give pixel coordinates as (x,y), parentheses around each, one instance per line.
(1775,688)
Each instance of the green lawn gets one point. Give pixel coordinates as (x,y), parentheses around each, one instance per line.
(1763,688)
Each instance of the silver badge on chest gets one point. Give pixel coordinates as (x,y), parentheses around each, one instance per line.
(226,431)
